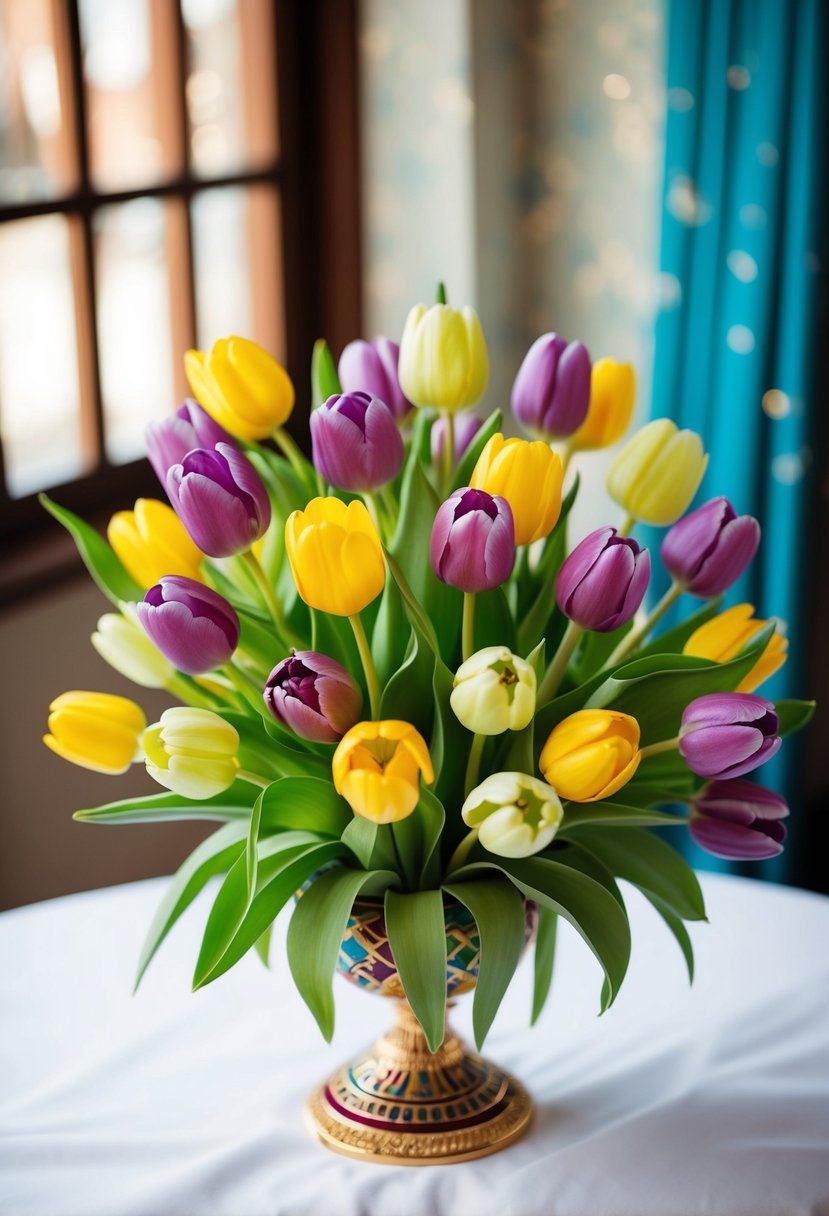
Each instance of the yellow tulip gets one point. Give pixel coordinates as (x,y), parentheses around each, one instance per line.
(336,556)
(724,636)
(591,754)
(443,361)
(152,541)
(192,752)
(96,730)
(241,386)
(657,472)
(377,767)
(612,396)
(528,474)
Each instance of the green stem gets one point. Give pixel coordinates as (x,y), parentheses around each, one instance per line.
(473,764)
(656,749)
(468,631)
(448,455)
(254,778)
(401,869)
(370,670)
(558,667)
(274,606)
(632,640)
(291,452)
(377,516)
(187,690)
(387,499)
(626,526)
(242,682)
(564,455)
(461,852)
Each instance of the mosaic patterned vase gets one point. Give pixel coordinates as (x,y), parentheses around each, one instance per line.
(398,1103)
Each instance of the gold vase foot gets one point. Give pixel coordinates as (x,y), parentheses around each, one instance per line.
(397,1104)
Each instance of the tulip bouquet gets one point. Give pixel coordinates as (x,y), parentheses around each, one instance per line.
(398,678)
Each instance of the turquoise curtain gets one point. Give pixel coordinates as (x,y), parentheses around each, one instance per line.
(736,336)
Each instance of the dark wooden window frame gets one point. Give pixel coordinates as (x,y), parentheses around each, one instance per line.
(317,175)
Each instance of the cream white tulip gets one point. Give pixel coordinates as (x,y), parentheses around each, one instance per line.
(494,691)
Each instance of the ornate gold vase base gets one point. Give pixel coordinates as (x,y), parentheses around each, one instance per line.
(397,1104)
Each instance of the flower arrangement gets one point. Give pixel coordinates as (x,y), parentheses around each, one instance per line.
(397,678)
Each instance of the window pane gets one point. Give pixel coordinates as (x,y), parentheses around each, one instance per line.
(130,72)
(37,157)
(133,323)
(236,257)
(231,87)
(40,415)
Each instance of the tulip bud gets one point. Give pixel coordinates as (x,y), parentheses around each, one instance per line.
(335,555)
(738,820)
(725,635)
(657,472)
(220,498)
(169,441)
(494,691)
(371,367)
(151,541)
(473,541)
(612,396)
(241,386)
(603,581)
(591,754)
(313,696)
(709,549)
(377,767)
(529,476)
(443,359)
(192,752)
(125,646)
(465,429)
(96,730)
(552,389)
(193,626)
(726,734)
(356,443)
(516,815)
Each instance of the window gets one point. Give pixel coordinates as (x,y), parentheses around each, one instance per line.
(161,166)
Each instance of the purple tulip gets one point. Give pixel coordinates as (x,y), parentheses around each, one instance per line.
(220,499)
(313,696)
(193,626)
(726,734)
(603,581)
(169,441)
(739,820)
(466,427)
(371,367)
(709,549)
(473,541)
(551,393)
(355,441)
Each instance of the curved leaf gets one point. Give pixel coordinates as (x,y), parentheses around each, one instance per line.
(489,427)
(96,554)
(794,715)
(417,936)
(315,933)
(418,840)
(545,953)
(235,803)
(650,864)
(499,914)
(309,804)
(614,814)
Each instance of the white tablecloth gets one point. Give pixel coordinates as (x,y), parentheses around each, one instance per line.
(711,1100)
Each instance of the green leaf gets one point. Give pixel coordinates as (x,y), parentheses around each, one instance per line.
(649,863)
(316,933)
(388,639)
(324,379)
(234,896)
(232,936)
(545,953)
(674,639)
(99,558)
(212,856)
(655,690)
(417,936)
(235,803)
(449,747)
(595,650)
(499,914)
(494,624)
(262,946)
(418,839)
(308,804)
(589,907)
(408,694)
(614,814)
(268,755)
(679,931)
(252,844)
(794,715)
(489,427)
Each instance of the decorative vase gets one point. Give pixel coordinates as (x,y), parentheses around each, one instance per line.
(398,1103)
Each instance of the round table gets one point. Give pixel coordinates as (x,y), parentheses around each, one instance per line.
(678,1101)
